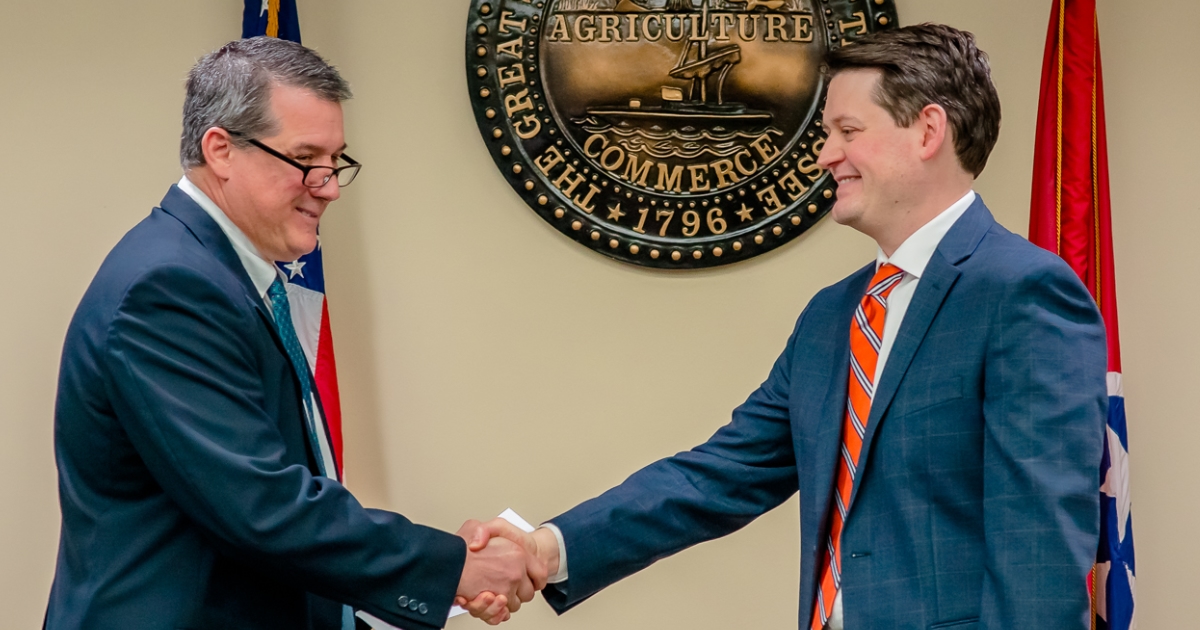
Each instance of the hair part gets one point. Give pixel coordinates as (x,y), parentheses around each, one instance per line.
(931,64)
(231,88)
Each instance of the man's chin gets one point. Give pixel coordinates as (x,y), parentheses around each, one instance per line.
(301,249)
(843,213)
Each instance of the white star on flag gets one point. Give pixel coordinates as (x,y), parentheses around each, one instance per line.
(1116,480)
(296,268)
(265,6)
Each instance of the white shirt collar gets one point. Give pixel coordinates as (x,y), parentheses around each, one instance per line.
(914,253)
(261,272)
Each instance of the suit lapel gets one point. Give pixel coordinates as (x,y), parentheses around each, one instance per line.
(179,205)
(939,277)
(834,385)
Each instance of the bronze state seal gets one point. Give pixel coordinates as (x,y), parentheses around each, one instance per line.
(664,133)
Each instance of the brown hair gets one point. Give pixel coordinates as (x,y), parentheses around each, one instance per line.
(931,64)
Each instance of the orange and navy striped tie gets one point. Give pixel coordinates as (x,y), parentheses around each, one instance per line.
(866,337)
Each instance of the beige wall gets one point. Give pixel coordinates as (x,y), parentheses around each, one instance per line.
(489,362)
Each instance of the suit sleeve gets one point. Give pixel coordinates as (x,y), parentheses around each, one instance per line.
(1044,407)
(745,469)
(188,390)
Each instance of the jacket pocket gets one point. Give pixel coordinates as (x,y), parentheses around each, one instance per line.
(934,394)
(960,624)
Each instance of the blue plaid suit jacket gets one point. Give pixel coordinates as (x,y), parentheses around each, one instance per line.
(976,505)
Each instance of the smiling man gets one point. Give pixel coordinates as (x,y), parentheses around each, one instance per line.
(940,411)
(196,479)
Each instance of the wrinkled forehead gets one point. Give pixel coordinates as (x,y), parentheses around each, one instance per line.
(304,120)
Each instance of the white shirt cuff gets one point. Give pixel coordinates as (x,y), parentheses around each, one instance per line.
(561,576)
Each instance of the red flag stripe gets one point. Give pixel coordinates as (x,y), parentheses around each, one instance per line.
(1070,212)
(327,386)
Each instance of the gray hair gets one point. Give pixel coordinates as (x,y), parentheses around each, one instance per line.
(230,88)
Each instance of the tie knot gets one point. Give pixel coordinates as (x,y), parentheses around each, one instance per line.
(277,291)
(886,279)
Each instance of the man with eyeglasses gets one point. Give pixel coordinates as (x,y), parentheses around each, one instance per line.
(197,484)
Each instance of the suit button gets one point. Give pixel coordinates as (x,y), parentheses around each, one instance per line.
(413,605)
(403,601)
(423,609)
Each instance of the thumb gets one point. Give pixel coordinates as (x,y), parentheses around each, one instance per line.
(479,540)
(473,533)
(500,528)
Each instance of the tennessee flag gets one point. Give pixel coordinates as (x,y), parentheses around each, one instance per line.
(1070,215)
(306,277)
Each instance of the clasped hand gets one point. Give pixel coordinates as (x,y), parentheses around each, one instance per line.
(505,567)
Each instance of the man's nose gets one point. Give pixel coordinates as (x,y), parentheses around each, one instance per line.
(831,153)
(329,192)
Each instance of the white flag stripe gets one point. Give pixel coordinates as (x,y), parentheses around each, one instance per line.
(1115,386)
(307,307)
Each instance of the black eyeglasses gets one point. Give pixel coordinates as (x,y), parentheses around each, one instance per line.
(314,176)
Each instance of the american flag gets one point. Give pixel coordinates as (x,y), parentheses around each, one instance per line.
(274,18)
(310,317)
(1070,215)
(306,277)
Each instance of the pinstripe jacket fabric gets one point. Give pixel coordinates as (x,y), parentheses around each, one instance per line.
(977,501)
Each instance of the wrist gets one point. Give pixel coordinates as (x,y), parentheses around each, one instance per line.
(547,548)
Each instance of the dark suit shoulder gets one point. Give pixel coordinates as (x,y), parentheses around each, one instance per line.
(162,241)
(162,250)
(1009,263)
(1009,278)
(158,270)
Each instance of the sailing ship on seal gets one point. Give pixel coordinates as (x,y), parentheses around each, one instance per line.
(700,63)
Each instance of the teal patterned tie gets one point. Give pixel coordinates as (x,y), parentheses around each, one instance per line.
(283,325)
(282,311)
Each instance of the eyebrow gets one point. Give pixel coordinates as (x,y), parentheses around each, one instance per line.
(839,119)
(312,148)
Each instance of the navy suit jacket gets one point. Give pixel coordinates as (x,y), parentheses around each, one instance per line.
(977,501)
(186,479)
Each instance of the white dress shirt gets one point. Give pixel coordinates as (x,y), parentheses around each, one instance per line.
(911,257)
(262,274)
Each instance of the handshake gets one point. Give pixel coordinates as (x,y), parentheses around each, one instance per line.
(505,567)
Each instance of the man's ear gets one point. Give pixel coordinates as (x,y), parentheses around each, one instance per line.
(217,146)
(935,130)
